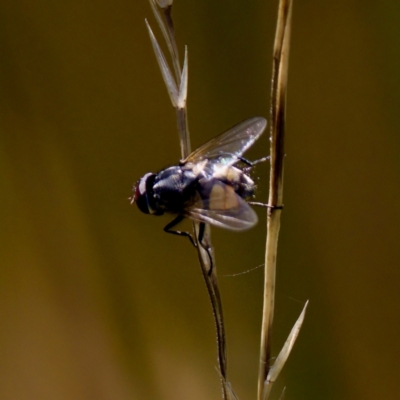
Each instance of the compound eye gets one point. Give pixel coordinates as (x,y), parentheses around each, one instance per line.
(141,195)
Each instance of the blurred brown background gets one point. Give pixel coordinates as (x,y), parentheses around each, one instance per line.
(96,302)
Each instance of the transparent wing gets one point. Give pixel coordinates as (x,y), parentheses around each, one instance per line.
(224,209)
(231,144)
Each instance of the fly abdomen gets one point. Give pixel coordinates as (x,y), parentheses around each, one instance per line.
(241,183)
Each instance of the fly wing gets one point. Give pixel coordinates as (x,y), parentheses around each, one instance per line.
(224,209)
(230,145)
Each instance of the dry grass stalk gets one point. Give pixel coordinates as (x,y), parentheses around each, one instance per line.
(268,373)
(177,89)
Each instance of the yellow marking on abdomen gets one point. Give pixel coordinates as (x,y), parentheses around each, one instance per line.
(222,197)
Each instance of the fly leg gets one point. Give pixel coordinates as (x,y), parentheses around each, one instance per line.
(251,164)
(207,248)
(256,203)
(202,226)
(176,221)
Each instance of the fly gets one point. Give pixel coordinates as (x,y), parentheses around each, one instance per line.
(208,186)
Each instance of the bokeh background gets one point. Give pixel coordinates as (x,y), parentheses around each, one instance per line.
(96,302)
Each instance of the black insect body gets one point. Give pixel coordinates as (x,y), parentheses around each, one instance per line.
(207,186)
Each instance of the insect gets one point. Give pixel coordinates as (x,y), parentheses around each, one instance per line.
(208,186)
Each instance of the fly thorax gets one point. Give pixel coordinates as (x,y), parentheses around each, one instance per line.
(173,188)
